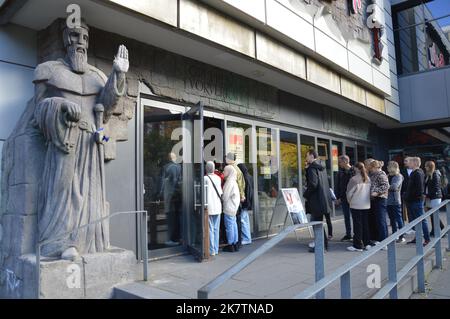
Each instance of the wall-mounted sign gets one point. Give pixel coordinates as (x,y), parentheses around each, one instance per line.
(374,24)
(355,6)
(435,58)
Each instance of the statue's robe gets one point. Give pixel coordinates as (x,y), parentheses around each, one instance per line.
(72,193)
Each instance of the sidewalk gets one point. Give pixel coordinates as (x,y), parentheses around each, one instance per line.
(282,272)
(438,282)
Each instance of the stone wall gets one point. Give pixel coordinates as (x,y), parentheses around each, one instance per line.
(186,80)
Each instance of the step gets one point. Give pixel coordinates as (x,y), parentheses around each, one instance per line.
(139,290)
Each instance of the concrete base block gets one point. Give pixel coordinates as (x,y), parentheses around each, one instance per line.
(92,276)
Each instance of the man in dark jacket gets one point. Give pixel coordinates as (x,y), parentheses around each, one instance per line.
(406,171)
(415,195)
(344,175)
(317,193)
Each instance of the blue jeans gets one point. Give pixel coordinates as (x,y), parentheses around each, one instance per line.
(395,216)
(214,227)
(380,212)
(417,210)
(347,218)
(245,227)
(231,229)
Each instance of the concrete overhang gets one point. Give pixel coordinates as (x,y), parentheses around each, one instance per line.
(38,14)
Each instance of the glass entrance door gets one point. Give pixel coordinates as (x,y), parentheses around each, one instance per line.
(172,169)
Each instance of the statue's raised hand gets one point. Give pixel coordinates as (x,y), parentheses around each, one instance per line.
(121,63)
(72,111)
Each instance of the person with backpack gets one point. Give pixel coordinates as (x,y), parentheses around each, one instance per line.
(246,206)
(317,193)
(433,191)
(213,191)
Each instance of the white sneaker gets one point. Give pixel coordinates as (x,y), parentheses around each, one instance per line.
(246,242)
(311,245)
(367,247)
(376,242)
(401,240)
(351,248)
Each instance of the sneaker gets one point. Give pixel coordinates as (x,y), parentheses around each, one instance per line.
(401,240)
(330,237)
(375,242)
(367,247)
(246,243)
(426,242)
(311,245)
(346,238)
(352,248)
(384,248)
(237,246)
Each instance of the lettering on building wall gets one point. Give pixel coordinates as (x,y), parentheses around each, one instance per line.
(355,6)
(377,29)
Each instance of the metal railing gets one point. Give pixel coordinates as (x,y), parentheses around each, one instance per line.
(143,237)
(394,276)
(205,291)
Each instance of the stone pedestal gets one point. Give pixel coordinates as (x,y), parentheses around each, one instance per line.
(92,276)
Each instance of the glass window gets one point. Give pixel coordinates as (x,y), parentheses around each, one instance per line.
(350,152)
(239,141)
(162,179)
(306,143)
(289,160)
(267,176)
(361,153)
(370,152)
(323,150)
(336,151)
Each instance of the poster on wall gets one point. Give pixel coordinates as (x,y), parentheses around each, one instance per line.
(334,158)
(294,205)
(236,143)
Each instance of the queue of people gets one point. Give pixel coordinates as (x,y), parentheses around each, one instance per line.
(370,196)
(229,191)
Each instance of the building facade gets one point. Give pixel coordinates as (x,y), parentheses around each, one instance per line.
(274,78)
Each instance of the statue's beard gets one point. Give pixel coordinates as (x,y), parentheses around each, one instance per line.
(77,60)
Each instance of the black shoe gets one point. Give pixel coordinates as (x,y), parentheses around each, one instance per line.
(229,248)
(236,247)
(432,234)
(346,238)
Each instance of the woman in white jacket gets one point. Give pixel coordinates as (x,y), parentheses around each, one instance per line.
(213,191)
(231,199)
(358,196)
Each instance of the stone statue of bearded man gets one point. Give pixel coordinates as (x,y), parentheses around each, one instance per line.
(73,100)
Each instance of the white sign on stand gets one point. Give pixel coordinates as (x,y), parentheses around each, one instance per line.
(288,205)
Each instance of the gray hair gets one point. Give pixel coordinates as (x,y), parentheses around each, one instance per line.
(210,167)
(344,158)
